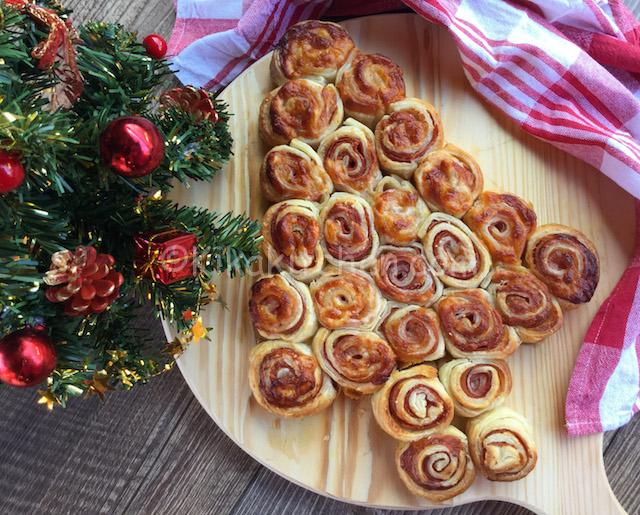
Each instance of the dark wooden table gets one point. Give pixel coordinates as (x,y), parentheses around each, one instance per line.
(155,450)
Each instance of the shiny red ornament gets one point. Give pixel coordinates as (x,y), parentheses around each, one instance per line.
(27,357)
(11,171)
(166,257)
(84,281)
(132,146)
(197,102)
(155,45)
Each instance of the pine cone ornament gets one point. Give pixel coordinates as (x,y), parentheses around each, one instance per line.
(84,280)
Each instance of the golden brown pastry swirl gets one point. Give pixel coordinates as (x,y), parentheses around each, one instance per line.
(437,467)
(473,327)
(311,49)
(412,404)
(300,109)
(525,303)
(286,380)
(359,361)
(566,261)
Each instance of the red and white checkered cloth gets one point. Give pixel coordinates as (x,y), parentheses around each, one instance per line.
(567,71)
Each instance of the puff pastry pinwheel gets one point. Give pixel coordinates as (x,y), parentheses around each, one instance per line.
(412,404)
(368,83)
(525,303)
(311,49)
(403,275)
(501,445)
(348,233)
(408,132)
(503,222)
(349,157)
(360,362)
(437,467)
(281,308)
(346,298)
(398,211)
(286,380)
(458,257)
(473,327)
(413,333)
(566,261)
(449,180)
(300,109)
(294,171)
(291,238)
(476,385)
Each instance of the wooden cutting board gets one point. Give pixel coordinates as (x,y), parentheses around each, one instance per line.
(341,452)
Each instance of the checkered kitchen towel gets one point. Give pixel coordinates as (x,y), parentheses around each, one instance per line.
(567,71)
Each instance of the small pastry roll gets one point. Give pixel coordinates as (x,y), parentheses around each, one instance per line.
(411,129)
(348,233)
(503,222)
(412,404)
(300,109)
(525,303)
(281,308)
(347,298)
(291,238)
(566,261)
(403,275)
(501,445)
(294,171)
(449,180)
(476,385)
(398,211)
(413,333)
(349,157)
(359,361)
(287,380)
(437,467)
(458,257)
(311,49)
(473,327)
(368,83)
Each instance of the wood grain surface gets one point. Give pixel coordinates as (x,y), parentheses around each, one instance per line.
(155,450)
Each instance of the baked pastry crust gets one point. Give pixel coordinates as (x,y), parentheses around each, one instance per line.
(437,467)
(349,158)
(359,361)
(300,109)
(291,238)
(281,308)
(412,404)
(503,222)
(408,132)
(525,303)
(398,211)
(449,179)
(368,83)
(311,49)
(347,298)
(566,261)
(286,379)
(476,385)
(473,327)
(294,171)
(501,445)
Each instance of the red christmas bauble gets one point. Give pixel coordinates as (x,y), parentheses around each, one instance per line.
(11,171)
(27,357)
(132,146)
(155,45)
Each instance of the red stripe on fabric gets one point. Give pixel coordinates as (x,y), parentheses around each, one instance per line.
(604,22)
(188,30)
(610,51)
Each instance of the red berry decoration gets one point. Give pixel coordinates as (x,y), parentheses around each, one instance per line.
(155,45)
(11,171)
(132,146)
(27,357)
(84,280)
